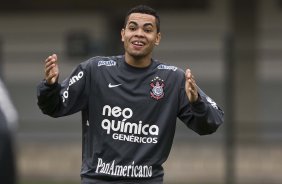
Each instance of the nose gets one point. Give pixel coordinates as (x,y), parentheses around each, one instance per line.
(139,33)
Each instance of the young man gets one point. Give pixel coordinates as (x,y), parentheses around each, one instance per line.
(129,105)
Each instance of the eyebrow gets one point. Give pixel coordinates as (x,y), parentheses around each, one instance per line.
(146,24)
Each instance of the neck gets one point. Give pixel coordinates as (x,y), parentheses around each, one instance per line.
(138,62)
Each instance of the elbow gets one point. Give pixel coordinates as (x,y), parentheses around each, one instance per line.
(208,128)
(50,112)
(205,125)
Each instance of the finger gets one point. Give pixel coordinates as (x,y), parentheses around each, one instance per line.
(193,92)
(191,84)
(188,74)
(50,76)
(48,59)
(49,68)
(51,58)
(55,56)
(192,79)
(50,64)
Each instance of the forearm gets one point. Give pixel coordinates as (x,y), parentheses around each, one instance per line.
(202,116)
(205,118)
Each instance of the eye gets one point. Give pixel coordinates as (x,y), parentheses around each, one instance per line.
(132,28)
(148,30)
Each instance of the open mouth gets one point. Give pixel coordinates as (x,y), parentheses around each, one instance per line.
(138,43)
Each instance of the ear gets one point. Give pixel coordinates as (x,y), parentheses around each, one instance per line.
(122,35)
(158,39)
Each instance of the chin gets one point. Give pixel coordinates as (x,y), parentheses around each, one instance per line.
(137,55)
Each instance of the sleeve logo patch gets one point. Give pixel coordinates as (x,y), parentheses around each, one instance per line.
(107,63)
(166,67)
(213,104)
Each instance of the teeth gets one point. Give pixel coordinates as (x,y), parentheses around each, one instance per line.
(138,43)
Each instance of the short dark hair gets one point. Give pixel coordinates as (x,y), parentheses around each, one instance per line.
(145,10)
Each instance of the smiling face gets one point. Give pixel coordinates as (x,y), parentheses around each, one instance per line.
(140,36)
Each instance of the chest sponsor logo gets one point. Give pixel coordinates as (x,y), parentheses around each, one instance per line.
(125,130)
(130,170)
(157,88)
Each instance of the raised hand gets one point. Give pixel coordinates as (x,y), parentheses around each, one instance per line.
(51,69)
(191,87)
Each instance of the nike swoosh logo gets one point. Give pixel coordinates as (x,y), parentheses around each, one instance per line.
(113,85)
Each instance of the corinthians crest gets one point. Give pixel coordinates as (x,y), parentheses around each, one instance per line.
(157,88)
